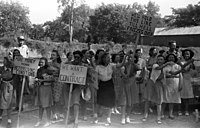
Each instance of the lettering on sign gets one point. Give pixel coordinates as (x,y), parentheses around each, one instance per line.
(25,66)
(73,74)
(141,24)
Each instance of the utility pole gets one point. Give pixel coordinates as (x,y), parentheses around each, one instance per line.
(71,22)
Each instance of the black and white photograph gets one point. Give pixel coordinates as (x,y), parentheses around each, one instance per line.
(99,64)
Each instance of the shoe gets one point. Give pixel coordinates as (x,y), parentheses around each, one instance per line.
(108,122)
(180,114)
(128,120)
(123,121)
(144,119)
(171,117)
(159,121)
(187,113)
(162,116)
(47,124)
(38,124)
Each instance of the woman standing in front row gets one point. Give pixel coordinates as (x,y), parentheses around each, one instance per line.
(153,91)
(119,87)
(57,86)
(172,84)
(44,97)
(6,89)
(187,90)
(106,92)
(131,89)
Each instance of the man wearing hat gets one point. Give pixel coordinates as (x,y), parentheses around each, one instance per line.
(24,50)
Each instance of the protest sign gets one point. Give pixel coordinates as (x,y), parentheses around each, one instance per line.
(142,24)
(93,78)
(25,66)
(73,74)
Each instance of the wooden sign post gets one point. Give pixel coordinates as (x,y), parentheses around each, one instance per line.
(72,74)
(24,67)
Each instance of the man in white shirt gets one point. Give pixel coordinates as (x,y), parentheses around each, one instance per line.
(24,50)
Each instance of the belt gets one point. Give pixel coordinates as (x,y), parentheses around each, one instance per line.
(172,76)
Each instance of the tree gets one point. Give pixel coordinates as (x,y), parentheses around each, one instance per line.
(108,21)
(13,19)
(182,17)
(80,20)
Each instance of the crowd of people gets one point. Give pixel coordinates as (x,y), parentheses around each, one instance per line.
(125,79)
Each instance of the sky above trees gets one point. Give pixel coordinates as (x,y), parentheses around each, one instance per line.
(47,10)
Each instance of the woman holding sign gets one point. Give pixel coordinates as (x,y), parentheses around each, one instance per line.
(6,89)
(44,97)
(106,92)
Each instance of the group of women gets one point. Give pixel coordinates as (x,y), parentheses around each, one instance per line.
(124,79)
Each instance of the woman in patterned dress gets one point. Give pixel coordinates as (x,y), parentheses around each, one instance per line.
(119,87)
(6,89)
(131,88)
(44,97)
(187,90)
(57,86)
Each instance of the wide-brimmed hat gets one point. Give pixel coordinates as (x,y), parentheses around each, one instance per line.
(175,56)
(189,50)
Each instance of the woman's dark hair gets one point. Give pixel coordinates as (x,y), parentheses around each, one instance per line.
(161,51)
(97,53)
(188,50)
(46,62)
(102,60)
(136,59)
(137,50)
(68,54)
(84,51)
(79,53)
(151,51)
(167,57)
(162,57)
(91,53)
(58,56)
(113,57)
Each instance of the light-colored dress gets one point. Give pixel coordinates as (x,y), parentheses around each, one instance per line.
(187,90)
(154,88)
(119,86)
(131,88)
(172,84)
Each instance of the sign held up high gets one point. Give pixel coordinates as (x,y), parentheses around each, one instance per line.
(73,74)
(141,24)
(25,66)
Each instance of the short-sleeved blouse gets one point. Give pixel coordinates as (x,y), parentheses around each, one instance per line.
(105,72)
